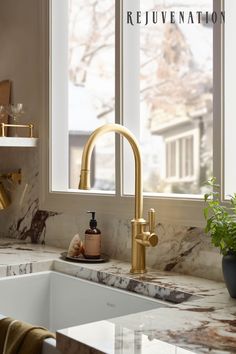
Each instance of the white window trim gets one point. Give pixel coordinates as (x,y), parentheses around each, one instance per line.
(230,79)
(182,211)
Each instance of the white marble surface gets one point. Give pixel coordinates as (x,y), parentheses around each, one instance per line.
(205,322)
(18,142)
(18,257)
(183,249)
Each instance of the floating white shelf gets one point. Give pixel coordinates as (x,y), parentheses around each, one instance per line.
(18,142)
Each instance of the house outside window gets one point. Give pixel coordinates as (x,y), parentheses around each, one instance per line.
(186,160)
(180,159)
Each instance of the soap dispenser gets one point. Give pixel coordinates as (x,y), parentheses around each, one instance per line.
(92,239)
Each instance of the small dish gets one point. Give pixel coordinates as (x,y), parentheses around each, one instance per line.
(82,259)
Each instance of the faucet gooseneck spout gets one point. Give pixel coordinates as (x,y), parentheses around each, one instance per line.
(140,237)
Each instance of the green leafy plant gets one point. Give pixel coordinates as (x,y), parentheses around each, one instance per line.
(221,220)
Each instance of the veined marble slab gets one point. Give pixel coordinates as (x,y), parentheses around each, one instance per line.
(156,284)
(19,257)
(205,322)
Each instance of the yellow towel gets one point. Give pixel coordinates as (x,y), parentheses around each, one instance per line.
(18,337)
(4,323)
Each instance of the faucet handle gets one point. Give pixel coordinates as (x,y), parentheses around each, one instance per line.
(153,240)
(147,239)
(152,220)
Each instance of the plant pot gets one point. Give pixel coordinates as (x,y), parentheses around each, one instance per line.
(229,271)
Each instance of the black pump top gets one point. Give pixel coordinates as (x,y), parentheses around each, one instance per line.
(93,221)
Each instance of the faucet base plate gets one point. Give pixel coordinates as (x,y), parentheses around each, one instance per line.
(138,271)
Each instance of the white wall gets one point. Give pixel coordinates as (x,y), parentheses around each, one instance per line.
(20,62)
(20,53)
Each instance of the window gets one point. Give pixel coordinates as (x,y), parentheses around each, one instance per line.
(172,85)
(91,73)
(180,159)
(155,79)
(83,93)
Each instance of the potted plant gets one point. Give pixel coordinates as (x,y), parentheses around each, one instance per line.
(221,225)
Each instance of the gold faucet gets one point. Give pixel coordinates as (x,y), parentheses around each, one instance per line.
(4,198)
(14,177)
(141,238)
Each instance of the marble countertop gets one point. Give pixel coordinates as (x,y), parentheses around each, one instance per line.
(200,317)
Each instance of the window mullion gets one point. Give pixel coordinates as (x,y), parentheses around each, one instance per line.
(131,92)
(218,145)
(118,93)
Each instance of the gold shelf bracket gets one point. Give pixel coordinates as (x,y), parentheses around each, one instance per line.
(4,125)
(14,177)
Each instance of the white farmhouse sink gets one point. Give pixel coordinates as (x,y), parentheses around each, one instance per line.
(57,301)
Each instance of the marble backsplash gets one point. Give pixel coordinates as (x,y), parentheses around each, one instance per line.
(181,249)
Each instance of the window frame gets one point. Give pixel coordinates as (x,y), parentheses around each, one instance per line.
(172,209)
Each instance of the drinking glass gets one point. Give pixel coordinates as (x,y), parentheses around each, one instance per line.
(15,111)
(2,113)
